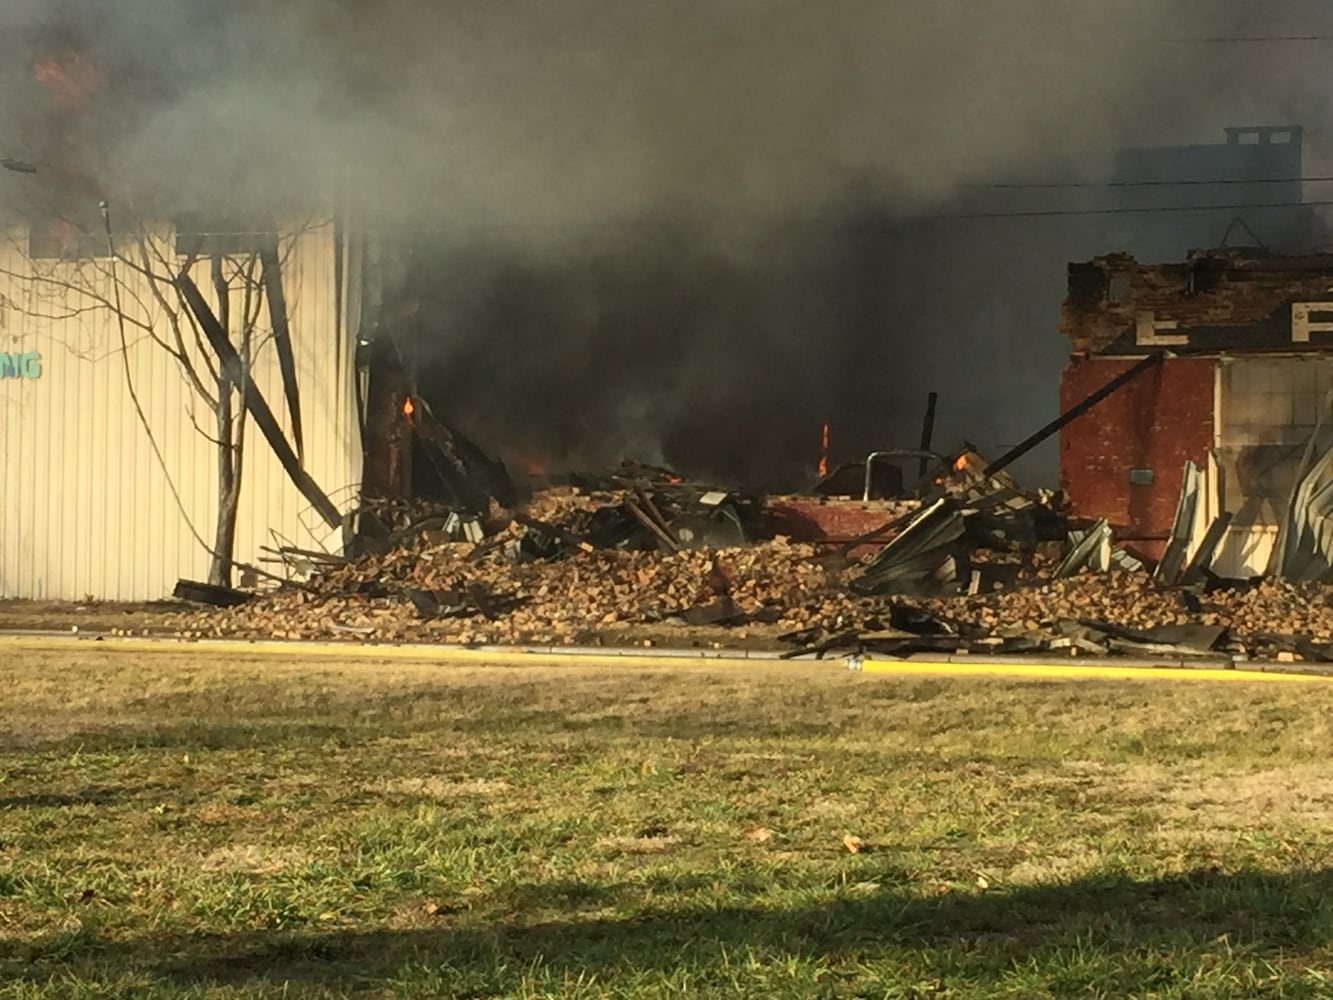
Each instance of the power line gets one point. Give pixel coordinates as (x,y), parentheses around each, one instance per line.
(906,218)
(1059,212)
(1189,182)
(1234,39)
(886,214)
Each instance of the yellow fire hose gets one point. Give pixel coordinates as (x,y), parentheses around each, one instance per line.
(953,666)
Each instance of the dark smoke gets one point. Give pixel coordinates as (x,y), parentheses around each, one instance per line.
(688,231)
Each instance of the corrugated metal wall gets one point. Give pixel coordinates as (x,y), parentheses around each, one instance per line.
(87,507)
(1267,409)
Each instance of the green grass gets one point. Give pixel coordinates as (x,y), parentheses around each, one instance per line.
(183,827)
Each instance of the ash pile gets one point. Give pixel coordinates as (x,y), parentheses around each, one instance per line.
(965,560)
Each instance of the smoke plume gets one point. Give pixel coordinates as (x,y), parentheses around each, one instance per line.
(691,230)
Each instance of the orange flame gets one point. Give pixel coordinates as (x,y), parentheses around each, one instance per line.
(527,462)
(71,82)
(70,78)
(960,464)
(823,451)
(409,407)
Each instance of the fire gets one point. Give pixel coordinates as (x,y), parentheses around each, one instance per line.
(409,407)
(528,463)
(70,78)
(960,463)
(72,156)
(823,451)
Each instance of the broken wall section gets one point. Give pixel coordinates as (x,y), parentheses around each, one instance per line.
(1248,337)
(1216,300)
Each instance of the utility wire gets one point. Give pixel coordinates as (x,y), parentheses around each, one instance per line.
(1188,182)
(1057,212)
(904,217)
(1256,39)
(1238,39)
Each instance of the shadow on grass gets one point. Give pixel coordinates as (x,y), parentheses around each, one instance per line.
(122,738)
(93,795)
(653,704)
(1123,929)
(297,735)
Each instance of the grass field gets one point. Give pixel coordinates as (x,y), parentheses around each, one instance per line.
(173,825)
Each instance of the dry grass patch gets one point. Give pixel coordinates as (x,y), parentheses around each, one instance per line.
(179,825)
(255,859)
(650,844)
(434,787)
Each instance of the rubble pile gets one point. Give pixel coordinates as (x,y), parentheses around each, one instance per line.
(569,565)
(1115,611)
(1135,600)
(1118,597)
(470,593)
(975,565)
(1280,607)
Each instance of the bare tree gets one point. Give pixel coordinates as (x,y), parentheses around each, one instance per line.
(150,280)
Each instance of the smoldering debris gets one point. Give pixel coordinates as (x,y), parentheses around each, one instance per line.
(976,565)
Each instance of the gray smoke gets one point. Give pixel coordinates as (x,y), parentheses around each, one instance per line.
(537,114)
(689,228)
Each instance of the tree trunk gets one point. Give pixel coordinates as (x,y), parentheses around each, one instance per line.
(229,492)
(229,454)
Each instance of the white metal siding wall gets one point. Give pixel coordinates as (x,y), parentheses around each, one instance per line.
(86,507)
(1267,408)
(272,509)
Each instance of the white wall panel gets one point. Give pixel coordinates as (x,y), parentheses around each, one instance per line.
(86,507)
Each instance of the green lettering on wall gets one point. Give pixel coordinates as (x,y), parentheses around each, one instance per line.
(27,365)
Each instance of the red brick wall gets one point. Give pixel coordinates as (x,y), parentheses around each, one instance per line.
(809,519)
(1158,421)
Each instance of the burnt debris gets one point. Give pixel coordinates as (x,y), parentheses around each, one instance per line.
(638,555)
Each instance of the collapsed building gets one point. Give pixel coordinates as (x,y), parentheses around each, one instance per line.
(1195,452)
(1195,407)
(202,394)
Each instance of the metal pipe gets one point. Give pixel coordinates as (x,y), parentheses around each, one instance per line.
(870,462)
(1078,409)
(927,432)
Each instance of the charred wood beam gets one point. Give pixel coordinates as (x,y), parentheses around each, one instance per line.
(386,437)
(650,508)
(653,528)
(234,369)
(209,593)
(927,432)
(843,640)
(1075,411)
(271,270)
(468,472)
(449,465)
